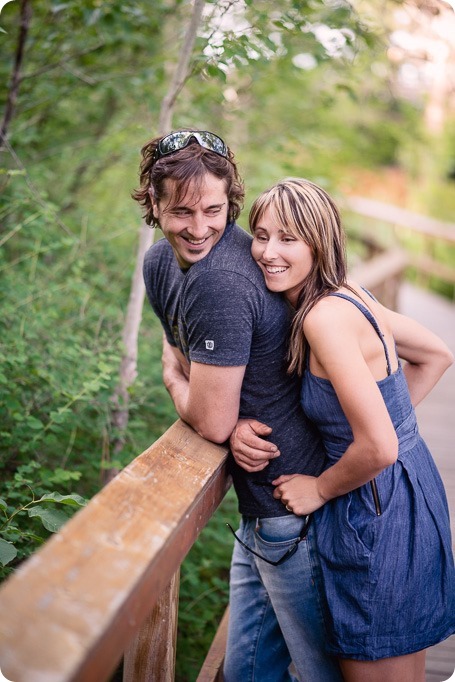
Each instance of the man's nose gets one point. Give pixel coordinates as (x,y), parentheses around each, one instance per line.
(197,226)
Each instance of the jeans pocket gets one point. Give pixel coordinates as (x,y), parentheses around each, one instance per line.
(279,531)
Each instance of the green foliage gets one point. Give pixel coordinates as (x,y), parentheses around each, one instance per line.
(300,88)
(30,513)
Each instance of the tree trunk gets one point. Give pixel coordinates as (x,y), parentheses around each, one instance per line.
(24,25)
(128,372)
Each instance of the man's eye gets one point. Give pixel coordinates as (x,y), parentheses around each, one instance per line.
(213,211)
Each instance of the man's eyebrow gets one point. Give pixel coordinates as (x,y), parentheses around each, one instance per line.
(185,207)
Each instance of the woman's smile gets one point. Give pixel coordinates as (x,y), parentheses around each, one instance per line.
(285,260)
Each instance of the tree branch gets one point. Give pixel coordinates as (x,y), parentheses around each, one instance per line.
(128,367)
(181,71)
(24,25)
(61,62)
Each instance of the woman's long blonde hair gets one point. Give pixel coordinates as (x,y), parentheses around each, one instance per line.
(305,210)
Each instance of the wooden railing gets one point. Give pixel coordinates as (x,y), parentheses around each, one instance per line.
(432,233)
(108,582)
(106,586)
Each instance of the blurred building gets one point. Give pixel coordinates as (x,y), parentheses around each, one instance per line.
(422,46)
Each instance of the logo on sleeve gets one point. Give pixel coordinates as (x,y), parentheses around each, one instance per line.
(209,345)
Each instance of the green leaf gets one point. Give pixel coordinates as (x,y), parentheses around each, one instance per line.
(52,519)
(63,476)
(8,552)
(73,500)
(3,504)
(34,423)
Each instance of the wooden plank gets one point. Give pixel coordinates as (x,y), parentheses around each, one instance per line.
(151,655)
(401,217)
(382,275)
(70,611)
(437,425)
(212,670)
(380,269)
(434,268)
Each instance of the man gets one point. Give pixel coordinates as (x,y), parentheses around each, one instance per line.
(224,356)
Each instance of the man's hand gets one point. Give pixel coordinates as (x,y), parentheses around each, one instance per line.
(249,449)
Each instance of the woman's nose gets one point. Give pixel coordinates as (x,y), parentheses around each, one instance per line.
(269,252)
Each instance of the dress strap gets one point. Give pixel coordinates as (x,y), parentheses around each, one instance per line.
(372,320)
(369,294)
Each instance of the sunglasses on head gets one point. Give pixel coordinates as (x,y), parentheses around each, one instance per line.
(175,141)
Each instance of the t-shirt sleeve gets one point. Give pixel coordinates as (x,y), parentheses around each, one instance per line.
(221,310)
(151,273)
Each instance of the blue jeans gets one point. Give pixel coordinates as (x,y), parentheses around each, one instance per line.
(276,612)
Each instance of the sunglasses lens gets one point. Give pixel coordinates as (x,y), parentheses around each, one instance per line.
(212,142)
(173,142)
(178,140)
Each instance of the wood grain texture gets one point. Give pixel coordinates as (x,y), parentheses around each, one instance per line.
(70,611)
(212,670)
(151,654)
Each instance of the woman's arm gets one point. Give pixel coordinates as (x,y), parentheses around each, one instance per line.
(333,332)
(427,356)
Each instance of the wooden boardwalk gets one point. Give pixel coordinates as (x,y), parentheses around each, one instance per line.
(436,417)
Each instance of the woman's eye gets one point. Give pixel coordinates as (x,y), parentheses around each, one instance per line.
(260,238)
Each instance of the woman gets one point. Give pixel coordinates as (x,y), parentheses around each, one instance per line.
(380,508)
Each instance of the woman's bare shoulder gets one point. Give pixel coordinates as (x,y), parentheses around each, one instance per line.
(329,314)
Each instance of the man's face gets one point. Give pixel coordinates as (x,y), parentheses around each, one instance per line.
(197,222)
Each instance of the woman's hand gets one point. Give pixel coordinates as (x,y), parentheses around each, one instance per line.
(298,493)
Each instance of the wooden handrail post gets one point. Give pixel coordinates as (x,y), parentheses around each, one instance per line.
(212,670)
(151,655)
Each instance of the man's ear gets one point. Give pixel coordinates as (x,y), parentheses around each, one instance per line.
(154,202)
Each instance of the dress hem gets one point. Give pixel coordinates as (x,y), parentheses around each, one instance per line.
(386,649)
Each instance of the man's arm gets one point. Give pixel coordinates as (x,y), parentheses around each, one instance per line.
(208,399)
(173,360)
(247,444)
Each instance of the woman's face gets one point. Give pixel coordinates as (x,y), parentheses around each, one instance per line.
(284,259)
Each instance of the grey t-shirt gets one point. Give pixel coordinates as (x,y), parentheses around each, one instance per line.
(219,312)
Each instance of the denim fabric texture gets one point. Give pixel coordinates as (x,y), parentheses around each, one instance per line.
(389,579)
(277,612)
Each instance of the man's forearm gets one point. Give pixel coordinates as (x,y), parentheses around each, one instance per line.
(176,371)
(178,388)
(209,401)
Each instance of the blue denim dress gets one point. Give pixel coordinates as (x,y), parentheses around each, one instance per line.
(385,548)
